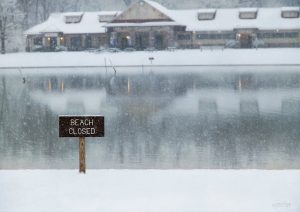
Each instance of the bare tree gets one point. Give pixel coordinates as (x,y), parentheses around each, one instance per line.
(45,6)
(4,101)
(10,24)
(6,19)
(25,6)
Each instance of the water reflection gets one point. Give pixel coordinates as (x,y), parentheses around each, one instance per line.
(154,120)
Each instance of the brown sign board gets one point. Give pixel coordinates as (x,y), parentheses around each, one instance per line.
(81,126)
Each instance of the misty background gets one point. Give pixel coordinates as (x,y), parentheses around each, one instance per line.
(16,16)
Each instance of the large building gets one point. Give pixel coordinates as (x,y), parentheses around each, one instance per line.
(148,24)
(76,31)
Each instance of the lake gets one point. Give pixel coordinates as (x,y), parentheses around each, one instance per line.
(185,119)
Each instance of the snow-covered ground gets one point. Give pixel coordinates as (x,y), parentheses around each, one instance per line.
(150,190)
(207,57)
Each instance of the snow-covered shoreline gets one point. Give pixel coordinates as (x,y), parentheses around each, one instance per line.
(150,190)
(278,56)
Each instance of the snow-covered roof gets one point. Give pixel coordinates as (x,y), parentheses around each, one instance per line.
(160,8)
(226,19)
(250,9)
(209,10)
(145,24)
(73,13)
(290,9)
(89,23)
(223,20)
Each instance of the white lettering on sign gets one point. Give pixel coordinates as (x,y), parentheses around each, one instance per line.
(81,126)
(82,131)
(81,122)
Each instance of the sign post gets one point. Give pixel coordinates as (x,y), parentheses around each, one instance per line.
(81,154)
(82,127)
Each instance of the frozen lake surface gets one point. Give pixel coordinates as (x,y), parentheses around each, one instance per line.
(150,191)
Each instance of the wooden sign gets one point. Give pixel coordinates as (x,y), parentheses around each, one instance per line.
(81,126)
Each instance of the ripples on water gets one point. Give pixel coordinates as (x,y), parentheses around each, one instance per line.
(154,120)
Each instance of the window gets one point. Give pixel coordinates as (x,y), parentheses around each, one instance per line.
(228,36)
(290,13)
(266,35)
(184,37)
(38,41)
(202,36)
(248,15)
(270,35)
(75,43)
(207,15)
(106,18)
(215,36)
(279,35)
(73,19)
(291,34)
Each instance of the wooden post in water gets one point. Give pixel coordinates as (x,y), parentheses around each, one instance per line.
(81,155)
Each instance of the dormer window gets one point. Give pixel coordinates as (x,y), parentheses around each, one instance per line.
(248,13)
(106,18)
(206,15)
(73,19)
(290,12)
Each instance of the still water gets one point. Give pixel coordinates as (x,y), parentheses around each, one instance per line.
(190,120)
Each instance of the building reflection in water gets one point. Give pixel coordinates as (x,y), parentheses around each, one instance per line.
(155,120)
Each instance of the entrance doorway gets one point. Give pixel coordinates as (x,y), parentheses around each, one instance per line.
(158,42)
(124,42)
(52,43)
(75,43)
(88,42)
(245,40)
(141,40)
